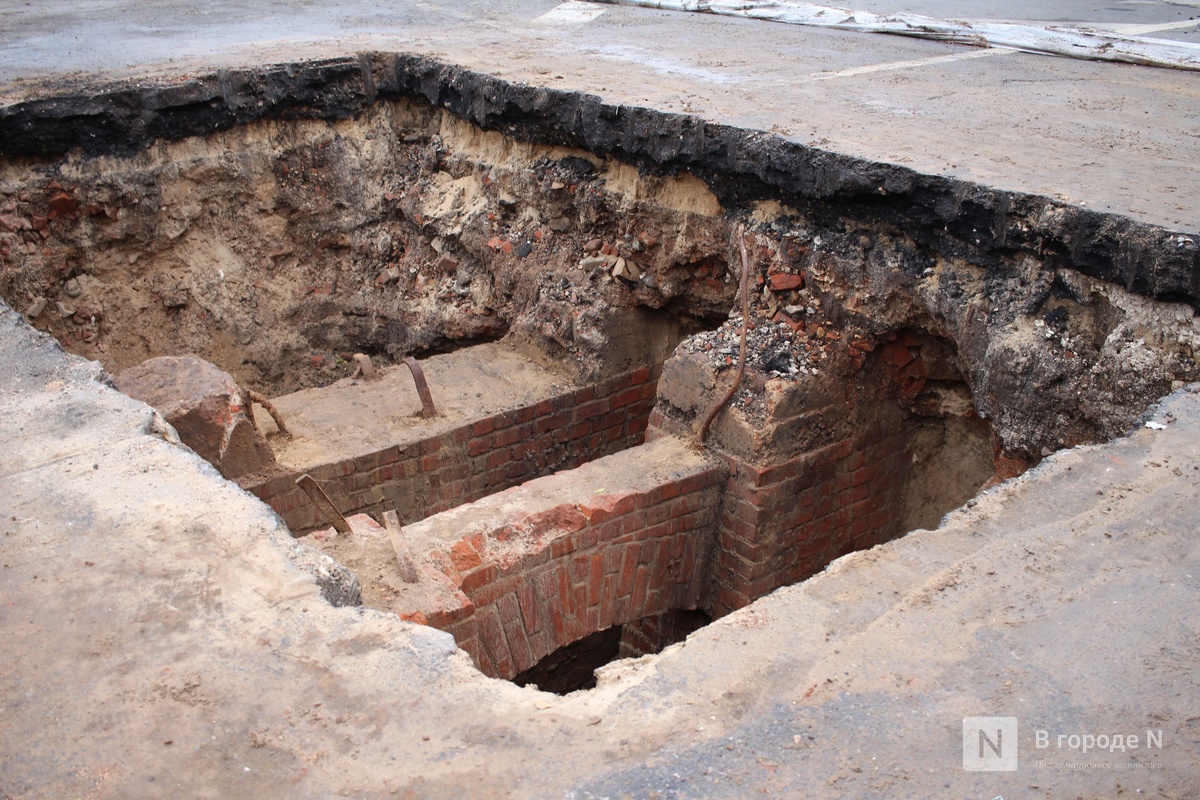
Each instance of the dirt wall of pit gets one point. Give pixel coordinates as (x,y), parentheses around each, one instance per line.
(277,220)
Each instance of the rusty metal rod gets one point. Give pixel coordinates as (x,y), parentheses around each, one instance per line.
(323,503)
(427,409)
(737,381)
(255,397)
(408,570)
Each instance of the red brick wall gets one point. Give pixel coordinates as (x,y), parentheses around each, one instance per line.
(786,522)
(530,583)
(425,477)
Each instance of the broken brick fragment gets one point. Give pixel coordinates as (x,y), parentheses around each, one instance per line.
(464,556)
(783,281)
(63,203)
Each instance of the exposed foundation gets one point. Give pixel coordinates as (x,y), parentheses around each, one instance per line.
(567,283)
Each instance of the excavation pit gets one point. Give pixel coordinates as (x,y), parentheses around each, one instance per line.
(911,338)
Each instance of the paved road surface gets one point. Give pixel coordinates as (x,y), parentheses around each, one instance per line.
(1111,136)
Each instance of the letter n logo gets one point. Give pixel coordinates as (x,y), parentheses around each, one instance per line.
(989,744)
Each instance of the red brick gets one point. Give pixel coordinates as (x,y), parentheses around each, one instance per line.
(477,578)
(579,609)
(464,556)
(561,546)
(478,446)
(527,601)
(514,632)
(483,426)
(512,435)
(565,518)
(738,487)
(846,548)
(579,430)
(612,559)
(731,564)
(659,513)
(881,519)
(659,574)
(699,480)
(496,459)
(628,568)
(586,539)
(608,602)
(557,421)
(517,471)
(637,600)
(739,527)
(865,474)
(607,531)
(506,419)
(595,578)
(692,522)
(633,523)
(457,471)
(493,588)
(740,547)
(491,632)
(621,613)
(654,532)
(611,423)
(579,569)
(588,410)
(797,518)
(473,648)
(747,512)
(729,600)
(626,397)
(782,282)
(557,625)
(566,594)
(545,583)
(605,506)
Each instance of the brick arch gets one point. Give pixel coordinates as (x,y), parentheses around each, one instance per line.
(539,566)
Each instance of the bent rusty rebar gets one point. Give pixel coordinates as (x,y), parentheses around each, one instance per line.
(737,381)
(261,399)
(427,408)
